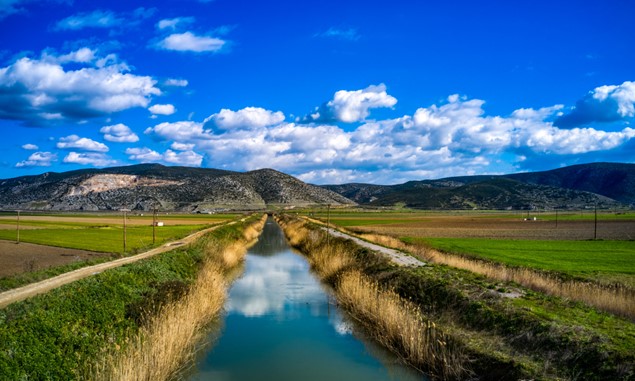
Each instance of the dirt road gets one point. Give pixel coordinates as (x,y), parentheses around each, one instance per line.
(26,292)
(396,256)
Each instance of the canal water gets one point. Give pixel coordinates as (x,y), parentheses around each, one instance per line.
(282,324)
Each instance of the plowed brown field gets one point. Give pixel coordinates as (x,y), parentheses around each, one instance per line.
(24,257)
(505,228)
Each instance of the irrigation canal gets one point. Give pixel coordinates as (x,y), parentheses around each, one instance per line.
(282,324)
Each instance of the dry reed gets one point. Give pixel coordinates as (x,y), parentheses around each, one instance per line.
(169,339)
(400,326)
(616,299)
(163,345)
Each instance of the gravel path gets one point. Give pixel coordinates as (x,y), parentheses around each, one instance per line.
(33,289)
(396,256)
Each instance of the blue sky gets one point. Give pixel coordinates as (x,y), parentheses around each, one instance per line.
(328,91)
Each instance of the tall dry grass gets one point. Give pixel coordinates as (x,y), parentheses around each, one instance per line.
(393,321)
(617,299)
(400,326)
(167,342)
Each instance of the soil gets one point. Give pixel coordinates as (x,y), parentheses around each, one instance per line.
(26,257)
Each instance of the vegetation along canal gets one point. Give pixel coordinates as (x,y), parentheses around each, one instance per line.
(281,324)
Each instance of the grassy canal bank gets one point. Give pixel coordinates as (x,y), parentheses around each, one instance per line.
(122,322)
(490,329)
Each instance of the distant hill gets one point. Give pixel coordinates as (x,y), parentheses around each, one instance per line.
(141,187)
(579,186)
(613,180)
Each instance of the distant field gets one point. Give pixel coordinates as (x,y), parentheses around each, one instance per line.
(489,224)
(82,220)
(357,218)
(564,246)
(107,239)
(103,233)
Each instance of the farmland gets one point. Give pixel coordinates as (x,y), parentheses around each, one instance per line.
(585,259)
(478,224)
(103,233)
(54,243)
(561,243)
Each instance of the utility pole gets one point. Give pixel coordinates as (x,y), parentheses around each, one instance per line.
(124,228)
(154,223)
(328,224)
(595,231)
(18,227)
(556,218)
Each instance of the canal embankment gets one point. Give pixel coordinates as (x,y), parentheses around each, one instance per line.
(490,335)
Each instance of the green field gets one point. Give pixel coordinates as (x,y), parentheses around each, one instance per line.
(103,232)
(107,239)
(587,259)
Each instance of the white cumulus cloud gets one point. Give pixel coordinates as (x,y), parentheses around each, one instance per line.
(187,158)
(173,23)
(37,91)
(38,159)
(85,144)
(179,131)
(144,155)
(189,42)
(30,147)
(147,155)
(182,146)
(89,158)
(119,133)
(248,117)
(352,106)
(164,109)
(174,82)
(607,103)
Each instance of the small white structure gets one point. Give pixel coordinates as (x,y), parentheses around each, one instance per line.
(158,223)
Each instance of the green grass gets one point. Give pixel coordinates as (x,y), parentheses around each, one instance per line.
(107,239)
(576,258)
(59,334)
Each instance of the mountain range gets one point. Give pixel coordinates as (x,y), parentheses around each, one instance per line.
(573,187)
(145,186)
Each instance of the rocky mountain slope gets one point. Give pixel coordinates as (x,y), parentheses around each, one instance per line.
(141,187)
(579,186)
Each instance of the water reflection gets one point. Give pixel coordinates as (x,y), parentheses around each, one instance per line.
(280,324)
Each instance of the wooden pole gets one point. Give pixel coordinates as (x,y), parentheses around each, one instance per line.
(154,224)
(124,228)
(328,224)
(124,231)
(595,231)
(18,227)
